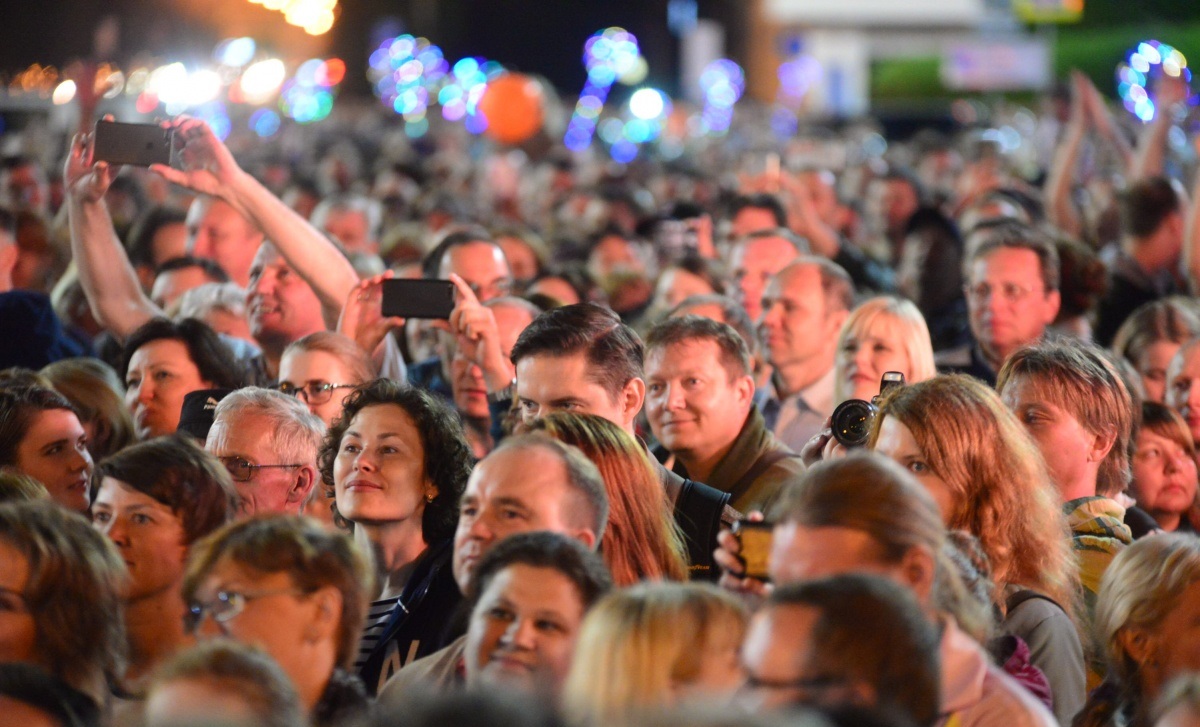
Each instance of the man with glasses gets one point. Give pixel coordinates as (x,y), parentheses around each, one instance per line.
(268,441)
(1012,274)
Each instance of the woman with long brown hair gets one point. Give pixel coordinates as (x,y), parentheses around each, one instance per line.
(957,437)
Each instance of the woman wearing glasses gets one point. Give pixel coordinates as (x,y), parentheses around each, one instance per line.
(153,500)
(297,591)
(322,369)
(398,461)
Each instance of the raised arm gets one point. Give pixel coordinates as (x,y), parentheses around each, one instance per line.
(1152,142)
(1191,240)
(112,288)
(1060,210)
(209,168)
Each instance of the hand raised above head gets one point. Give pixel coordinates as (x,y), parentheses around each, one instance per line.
(207,165)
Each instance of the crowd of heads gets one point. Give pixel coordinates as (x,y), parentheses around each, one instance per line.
(235,490)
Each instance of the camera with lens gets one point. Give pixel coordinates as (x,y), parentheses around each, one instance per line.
(852,418)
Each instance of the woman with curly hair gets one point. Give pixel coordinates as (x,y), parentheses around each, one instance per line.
(641,541)
(1147,625)
(956,436)
(397,462)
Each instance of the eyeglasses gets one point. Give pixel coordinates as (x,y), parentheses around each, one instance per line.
(313,392)
(242,471)
(1008,292)
(226,606)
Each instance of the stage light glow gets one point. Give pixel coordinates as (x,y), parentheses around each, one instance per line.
(262,80)
(202,86)
(1148,61)
(648,103)
(64,93)
(235,52)
(264,123)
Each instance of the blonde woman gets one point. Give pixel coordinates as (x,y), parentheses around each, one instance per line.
(956,436)
(882,334)
(641,541)
(1147,624)
(653,646)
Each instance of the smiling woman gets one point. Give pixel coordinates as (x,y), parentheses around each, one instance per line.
(41,436)
(882,334)
(152,500)
(397,462)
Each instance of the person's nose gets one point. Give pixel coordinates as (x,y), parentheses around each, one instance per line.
(520,634)
(115,530)
(145,390)
(209,627)
(674,397)
(82,460)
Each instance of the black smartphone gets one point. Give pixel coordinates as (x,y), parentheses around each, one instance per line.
(136,144)
(418,298)
(755,540)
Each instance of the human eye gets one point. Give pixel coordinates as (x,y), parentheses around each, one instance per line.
(511,513)
(10,601)
(654,387)
(161,375)
(350,447)
(529,407)
(140,518)
(101,516)
(549,626)
(918,467)
(500,613)
(132,382)
(468,510)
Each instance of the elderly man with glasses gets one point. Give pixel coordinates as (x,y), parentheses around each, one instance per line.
(268,441)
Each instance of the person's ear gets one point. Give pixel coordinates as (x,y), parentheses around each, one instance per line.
(306,478)
(745,389)
(632,396)
(1052,304)
(1102,444)
(918,569)
(1138,645)
(835,321)
(325,606)
(585,536)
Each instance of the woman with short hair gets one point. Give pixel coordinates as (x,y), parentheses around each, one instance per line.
(41,436)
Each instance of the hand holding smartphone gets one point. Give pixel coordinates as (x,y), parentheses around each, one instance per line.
(135,144)
(755,541)
(418,298)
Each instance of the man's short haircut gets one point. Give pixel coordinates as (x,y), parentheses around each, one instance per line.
(313,555)
(204,300)
(241,670)
(799,243)
(583,479)
(214,272)
(544,549)
(898,656)
(732,351)
(177,473)
(1014,235)
(836,284)
(760,200)
(869,493)
(147,225)
(370,209)
(296,433)
(732,311)
(1080,380)
(432,263)
(612,349)
(1147,204)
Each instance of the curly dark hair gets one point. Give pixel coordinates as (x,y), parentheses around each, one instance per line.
(448,457)
(214,360)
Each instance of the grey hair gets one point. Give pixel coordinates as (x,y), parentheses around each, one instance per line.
(296,433)
(370,209)
(204,299)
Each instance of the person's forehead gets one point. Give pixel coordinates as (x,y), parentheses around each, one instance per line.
(1013,264)
(245,433)
(531,475)
(227,572)
(558,373)
(694,353)
(160,350)
(534,587)
(471,257)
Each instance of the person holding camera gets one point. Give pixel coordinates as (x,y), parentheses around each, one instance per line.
(700,403)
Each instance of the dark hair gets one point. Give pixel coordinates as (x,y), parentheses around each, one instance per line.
(544,549)
(311,554)
(74,592)
(1147,204)
(18,407)
(212,358)
(474,707)
(214,272)
(66,705)
(242,670)
(702,268)
(1014,235)
(734,312)
(447,455)
(732,350)
(761,200)
(176,472)
(8,223)
(613,350)
(897,656)
(1083,278)
(147,225)
(432,261)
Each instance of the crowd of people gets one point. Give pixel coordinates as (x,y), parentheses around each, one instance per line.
(618,484)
